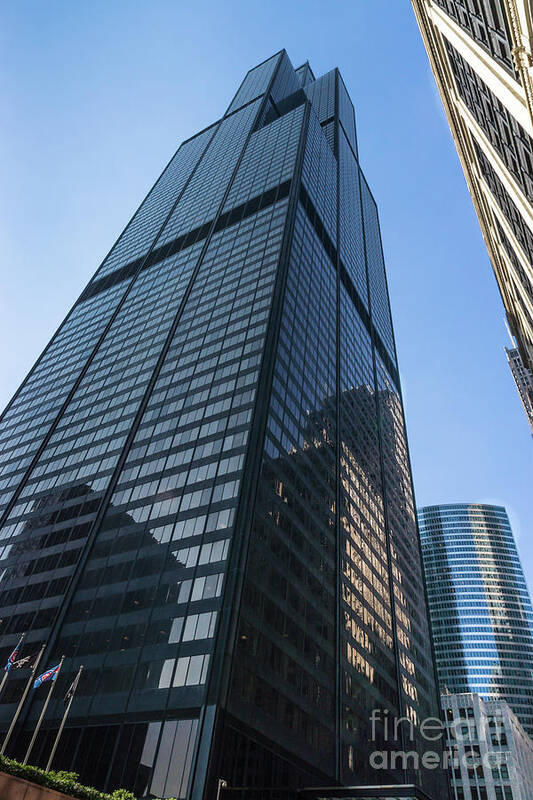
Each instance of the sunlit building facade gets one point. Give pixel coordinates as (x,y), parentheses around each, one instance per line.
(480,52)
(480,608)
(205,480)
(490,756)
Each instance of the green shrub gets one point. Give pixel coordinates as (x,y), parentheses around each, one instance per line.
(122,794)
(61,781)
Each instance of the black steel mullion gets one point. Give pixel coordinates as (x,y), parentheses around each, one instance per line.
(338,549)
(383,483)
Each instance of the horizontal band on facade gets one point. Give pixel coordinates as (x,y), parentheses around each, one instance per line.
(158,254)
(225,220)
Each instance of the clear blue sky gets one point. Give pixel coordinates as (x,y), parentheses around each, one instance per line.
(96,97)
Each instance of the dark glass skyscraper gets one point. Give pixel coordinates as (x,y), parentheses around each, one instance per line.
(206,486)
(479,604)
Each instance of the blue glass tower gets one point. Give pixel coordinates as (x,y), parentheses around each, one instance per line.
(480,609)
(205,481)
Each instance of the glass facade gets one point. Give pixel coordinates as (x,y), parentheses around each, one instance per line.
(206,490)
(480,609)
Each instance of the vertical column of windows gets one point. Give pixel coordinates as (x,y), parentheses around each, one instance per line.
(319,176)
(412,629)
(305,74)
(322,96)
(514,218)
(377,279)
(367,643)
(352,251)
(284,670)
(346,114)
(255,83)
(285,82)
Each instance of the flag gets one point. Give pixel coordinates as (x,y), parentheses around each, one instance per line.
(70,692)
(13,657)
(49,675)
(71,689)
(28,661)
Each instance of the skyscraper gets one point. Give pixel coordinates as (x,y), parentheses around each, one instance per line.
(206,485)
(481,55)
(490,754)
(523,378)
(480,609)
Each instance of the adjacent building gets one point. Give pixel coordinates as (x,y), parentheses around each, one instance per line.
(481,55)
(490,756)
(523,378)
(205,482)
(480,608)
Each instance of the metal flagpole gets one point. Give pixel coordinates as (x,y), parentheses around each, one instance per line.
(4,679)
(43,712)
(22,699)
(65,715)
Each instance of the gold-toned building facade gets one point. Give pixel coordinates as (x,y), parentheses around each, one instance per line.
(480,52)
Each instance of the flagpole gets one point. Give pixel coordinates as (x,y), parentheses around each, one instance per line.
(65,715)
(43,712)
(22,699)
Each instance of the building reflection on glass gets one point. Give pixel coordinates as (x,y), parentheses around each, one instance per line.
(291,589)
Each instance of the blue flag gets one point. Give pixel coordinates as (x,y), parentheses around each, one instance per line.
(13,657)
(49,675)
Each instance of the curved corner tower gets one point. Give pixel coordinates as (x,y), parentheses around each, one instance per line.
(480,609)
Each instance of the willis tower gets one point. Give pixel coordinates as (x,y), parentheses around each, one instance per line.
(205,483)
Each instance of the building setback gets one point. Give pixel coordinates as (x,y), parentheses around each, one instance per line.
(481,55)
(206,487)
(480,609)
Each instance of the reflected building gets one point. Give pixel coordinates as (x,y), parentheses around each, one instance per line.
(205,481)
(480,608)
